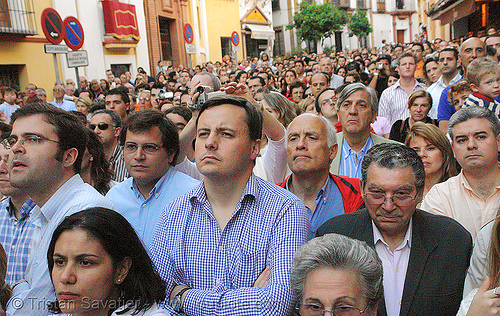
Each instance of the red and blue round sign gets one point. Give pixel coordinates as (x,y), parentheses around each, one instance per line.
(188,33)
(235,38)
(74,33)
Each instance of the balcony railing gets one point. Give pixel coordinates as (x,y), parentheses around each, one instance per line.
(361,4)
(17,17)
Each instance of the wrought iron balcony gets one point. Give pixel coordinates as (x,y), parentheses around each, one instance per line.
(17,17)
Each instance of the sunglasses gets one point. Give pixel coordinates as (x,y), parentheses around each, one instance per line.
(58,90)
(102,126)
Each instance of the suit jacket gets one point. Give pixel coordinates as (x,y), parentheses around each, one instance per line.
(439,258)
(335,166)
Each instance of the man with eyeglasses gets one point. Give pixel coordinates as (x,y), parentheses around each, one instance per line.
(326,106)
(106,124)
(424,256)
(150,146)
(47,146)
(59,100)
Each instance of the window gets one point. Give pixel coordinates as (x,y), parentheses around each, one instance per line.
(279,43)
(9,75)
(275,5)
(380,5)
(165,39)
(360,4)
(225,45)
(17,17)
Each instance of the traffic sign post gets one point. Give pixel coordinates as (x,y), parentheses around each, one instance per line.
(190,48)
(52,26)
(77,58)
(74,33)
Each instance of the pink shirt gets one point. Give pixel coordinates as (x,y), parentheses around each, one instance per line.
(395,265)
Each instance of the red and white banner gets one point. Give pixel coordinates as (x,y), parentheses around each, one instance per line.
(120,20)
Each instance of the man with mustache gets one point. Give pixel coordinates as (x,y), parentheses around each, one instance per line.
(424,256)
(226,247)
(150,146)
(472,197)
(47,145)
(356,110)
(311,147)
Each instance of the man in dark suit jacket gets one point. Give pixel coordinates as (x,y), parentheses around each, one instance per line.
(434,250)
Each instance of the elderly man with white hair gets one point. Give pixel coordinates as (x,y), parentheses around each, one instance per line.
(311,148)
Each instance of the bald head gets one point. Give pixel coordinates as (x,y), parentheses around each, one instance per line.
(471,49)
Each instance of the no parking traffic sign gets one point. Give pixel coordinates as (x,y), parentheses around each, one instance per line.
(188,33)
(235,38)
(52,26)
(74,33)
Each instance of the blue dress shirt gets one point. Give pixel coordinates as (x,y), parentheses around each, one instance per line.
(268,225)
(31,297)
(348,164)
(65,105)
(142,213)
(328,204)
(15,237)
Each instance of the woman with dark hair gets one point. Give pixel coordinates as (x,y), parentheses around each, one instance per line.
(419,105)
(98,266)
(96,169)
(393,78)
(341,71)
(431,71)
(104,85)
(289,77)
(241,77)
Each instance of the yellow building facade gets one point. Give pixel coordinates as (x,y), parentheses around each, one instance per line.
(213,23)
(22,56)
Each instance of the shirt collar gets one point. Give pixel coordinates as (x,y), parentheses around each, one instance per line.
(482,96)
(251,190)
(347,150)
(158,188)
(52,206)
(377,236)
(116,153)
(25,210)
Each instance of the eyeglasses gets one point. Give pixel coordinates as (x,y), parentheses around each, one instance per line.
(58,90)
(146,99)
(102,126)
(399,199)
(147,148)
(318,310)
(29,140)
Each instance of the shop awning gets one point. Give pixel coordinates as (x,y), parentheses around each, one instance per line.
(263,32)
(449,10)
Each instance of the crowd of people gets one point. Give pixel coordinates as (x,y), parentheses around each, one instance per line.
(363,182)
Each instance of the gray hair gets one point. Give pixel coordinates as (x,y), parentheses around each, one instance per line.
(331,132)
(41,90)
(70,86)
(213,78)
(339,252)
(472,112)
(353,87)
(394,156)
(115,117)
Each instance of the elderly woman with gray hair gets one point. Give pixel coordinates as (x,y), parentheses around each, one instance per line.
(336,274)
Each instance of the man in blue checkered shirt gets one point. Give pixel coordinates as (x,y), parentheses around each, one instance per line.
(15,227)
(225,248)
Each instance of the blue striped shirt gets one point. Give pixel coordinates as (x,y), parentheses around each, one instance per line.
(268,225)
(350,160)
(15,237)
(73,196)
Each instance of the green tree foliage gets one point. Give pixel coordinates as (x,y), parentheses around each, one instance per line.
(317,22)
(359,24)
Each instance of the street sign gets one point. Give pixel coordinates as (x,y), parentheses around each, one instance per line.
(188,33)
(55,49)
(74,33)
(52,26)
(77,58)
(236,48)
(235,38)
(190,49)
